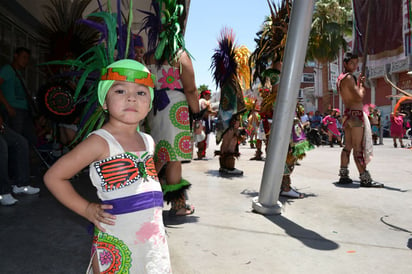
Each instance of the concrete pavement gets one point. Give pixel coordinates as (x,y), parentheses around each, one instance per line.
(335,229)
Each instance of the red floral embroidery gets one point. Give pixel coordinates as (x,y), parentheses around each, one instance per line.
(170,79)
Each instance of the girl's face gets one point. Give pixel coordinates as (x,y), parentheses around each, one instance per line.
(127,102)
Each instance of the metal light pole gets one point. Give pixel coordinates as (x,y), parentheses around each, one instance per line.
(284,110)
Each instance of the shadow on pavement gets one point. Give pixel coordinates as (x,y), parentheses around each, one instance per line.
(216,173)
(356,184)
(346,185)
(250,193)
(170,221)
(308,237)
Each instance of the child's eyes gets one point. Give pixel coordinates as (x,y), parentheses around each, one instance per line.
(125,91)
(141,93)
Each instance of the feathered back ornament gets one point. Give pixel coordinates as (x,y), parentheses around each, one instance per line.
(115,44)
(242,55)
(270,46)
(165,35)
(271,40)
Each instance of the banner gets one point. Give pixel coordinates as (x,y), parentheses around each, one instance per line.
(385,35)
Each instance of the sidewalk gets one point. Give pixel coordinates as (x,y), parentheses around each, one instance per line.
(334,229)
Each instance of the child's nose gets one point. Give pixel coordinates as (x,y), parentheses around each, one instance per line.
(132,97)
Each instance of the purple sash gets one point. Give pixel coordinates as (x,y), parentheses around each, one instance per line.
(135,202)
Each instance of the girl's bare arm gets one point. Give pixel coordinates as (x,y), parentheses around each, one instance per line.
(58,176)
(189,83)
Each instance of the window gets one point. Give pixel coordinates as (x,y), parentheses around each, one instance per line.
(308,78)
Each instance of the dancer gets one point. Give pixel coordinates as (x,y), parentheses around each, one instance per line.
(227,68)
(355,124)
(375,121)
(253,126)
(176,99)
(229,149)
(206,109)
(298,146)
(265,115)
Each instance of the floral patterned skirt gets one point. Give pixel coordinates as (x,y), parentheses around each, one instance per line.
(170,129)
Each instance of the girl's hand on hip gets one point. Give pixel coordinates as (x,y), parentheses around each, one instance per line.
(96,214)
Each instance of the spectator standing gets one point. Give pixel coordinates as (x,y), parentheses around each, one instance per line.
(316,120)
(17,103)
(14,165)
(397,130)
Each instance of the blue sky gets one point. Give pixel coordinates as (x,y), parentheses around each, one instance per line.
(207,19)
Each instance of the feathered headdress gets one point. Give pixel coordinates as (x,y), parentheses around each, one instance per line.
(270,46)
(164,31)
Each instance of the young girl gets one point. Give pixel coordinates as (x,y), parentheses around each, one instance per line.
(129,235)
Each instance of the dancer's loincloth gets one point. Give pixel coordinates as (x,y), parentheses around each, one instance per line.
(353,118)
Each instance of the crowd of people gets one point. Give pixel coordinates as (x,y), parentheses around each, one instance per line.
(153,113)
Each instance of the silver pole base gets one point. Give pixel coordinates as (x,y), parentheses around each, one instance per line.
(259,208)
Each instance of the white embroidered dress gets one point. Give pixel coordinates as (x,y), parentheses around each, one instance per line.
(137,242)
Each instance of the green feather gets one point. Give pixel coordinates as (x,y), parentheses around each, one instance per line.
(111,24)
(160,48)
(129,26)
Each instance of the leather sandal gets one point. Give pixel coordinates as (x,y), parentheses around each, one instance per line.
(190,209)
